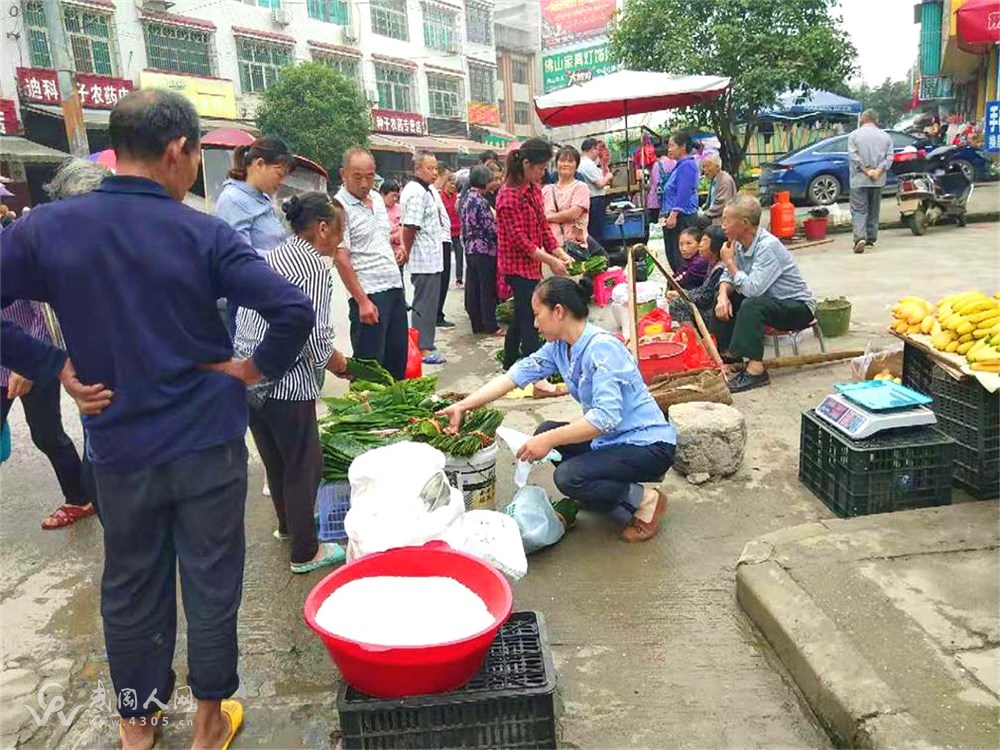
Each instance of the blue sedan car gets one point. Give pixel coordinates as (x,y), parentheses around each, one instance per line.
(818,173)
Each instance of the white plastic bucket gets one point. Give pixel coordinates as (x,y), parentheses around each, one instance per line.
(475,477)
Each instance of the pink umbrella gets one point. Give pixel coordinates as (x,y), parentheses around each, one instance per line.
(106,157)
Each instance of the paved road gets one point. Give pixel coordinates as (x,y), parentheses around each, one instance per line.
(651,647)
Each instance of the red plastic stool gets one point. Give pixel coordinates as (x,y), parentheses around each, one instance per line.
(604,284)
(774,333)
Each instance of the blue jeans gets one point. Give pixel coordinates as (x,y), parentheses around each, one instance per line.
(608,480)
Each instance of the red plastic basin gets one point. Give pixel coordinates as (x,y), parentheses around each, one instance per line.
(399,671)
(660,358)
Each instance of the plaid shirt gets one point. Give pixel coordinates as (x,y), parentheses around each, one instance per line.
(522,229)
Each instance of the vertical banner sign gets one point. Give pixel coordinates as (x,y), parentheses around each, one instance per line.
(993,127)
(570,21)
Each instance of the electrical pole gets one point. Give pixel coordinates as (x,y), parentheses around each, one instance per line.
(76,131)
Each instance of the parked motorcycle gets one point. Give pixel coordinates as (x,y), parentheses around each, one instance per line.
(932,190)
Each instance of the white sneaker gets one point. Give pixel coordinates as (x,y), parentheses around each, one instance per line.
(266,491)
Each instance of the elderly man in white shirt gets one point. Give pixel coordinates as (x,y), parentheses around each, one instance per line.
(368,267)
(422,238)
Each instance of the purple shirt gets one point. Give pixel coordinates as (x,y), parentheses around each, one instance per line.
(693,273)
(30,317)
(479,230)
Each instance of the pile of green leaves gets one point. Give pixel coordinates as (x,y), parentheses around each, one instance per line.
(505,311)
(591,267)
(478,430)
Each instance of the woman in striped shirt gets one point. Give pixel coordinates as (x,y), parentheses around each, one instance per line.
(283,412)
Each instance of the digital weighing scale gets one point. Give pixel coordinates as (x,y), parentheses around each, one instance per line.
(860,410)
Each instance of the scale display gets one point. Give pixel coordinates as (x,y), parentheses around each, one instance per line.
(858,423)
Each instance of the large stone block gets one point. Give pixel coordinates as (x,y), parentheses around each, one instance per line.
(711,438)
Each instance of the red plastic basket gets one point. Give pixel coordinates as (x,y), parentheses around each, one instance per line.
(399,671)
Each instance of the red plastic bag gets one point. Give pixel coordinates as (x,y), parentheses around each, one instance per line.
(695,357)
(654,317)
(414,362)
(504,292)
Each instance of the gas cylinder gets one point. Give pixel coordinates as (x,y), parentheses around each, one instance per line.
(783,216)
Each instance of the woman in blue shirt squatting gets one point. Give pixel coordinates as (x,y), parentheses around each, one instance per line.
(621,440)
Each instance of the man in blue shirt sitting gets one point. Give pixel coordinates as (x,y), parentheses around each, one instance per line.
(133,276)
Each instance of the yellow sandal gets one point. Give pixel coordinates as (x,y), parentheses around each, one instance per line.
(234,710)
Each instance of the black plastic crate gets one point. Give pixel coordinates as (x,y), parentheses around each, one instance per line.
(510,703)
(970,414)
(917,369)
(898,470)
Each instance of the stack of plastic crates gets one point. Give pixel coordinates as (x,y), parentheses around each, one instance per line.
(897,470)
(508,704)
(917,369)
(970,414)
(333,500)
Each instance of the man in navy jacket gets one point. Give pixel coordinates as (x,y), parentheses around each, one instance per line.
(133,276)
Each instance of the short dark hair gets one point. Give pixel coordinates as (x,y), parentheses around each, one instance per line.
(568,152)
(489,155)
(692,232)
(270,148)
(588,144)
(145,122)
(389,186)
(683,139)
(305,209)
(420,157)
(716,238)
(661,150)
(480,176)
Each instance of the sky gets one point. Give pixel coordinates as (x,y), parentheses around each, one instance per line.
(885,36)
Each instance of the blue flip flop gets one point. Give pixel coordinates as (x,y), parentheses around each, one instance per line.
(333,554)
(434,358)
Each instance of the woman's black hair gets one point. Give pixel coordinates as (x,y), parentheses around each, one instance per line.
(480,176)
(661,150)
(305,209)
(533,151)
(389,186)
(693,232)
(568,152)
(682,138)
(572,295)
(716,238)
(270,148)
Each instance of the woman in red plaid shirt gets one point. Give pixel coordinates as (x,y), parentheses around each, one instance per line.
(524,242)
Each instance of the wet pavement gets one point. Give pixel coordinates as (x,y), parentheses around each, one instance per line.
(650,645)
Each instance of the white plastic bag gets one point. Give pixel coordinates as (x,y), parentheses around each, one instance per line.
(515,439)
(496,538)
(536,518)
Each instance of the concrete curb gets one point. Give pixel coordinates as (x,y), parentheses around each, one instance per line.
(842,687)
(971,218)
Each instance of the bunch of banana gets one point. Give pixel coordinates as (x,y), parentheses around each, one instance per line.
(912,315)
(963,319)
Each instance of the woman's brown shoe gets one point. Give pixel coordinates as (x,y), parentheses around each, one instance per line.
(643,531)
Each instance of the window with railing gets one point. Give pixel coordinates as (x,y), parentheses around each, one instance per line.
(389,19)
(260,62)
(90,33)
(481,83)
(445,94)
(329,11)
(349,67)
(479,24)
(395,88)
(522,114)
(440,29)
(179,49)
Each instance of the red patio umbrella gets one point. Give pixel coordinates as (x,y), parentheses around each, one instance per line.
(227,138)
(978,24)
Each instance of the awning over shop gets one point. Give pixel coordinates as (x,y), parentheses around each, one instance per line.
(408,144)
(464,145)
(978,24)
(379,142)
(15,148)
(100,117)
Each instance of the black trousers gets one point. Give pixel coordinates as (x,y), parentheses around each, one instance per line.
(445,282)
(43,413)
(385,341)
(672,239)
(481,292)
(608,480)
(522,338)
(186,514)
(287,439)
(456,246)
(743,334)
(596,216)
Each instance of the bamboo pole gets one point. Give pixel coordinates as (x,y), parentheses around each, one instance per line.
(811,359)
(633,339)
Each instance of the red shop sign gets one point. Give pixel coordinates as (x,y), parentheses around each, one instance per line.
(41,86)
(399,123)
(9,124)
(569,21)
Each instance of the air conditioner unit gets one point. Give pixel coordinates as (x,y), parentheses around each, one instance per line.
(281,16)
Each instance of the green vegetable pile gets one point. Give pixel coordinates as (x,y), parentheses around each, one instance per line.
(378,410)
(591,267)
(505,312)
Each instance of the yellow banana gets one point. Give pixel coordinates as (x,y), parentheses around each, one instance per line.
(976,347)
(988,323)
(936,328)
(944,312)
(976,305)
(986,366)
(912,330)
(927,324)
(953,322)
(983,315)
(980,334)
(988,354)
(964,348)
(952,346)
(966,337)
(964,328)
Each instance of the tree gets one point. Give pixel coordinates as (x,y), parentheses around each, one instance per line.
(891,99)
(319,111)
(765,48)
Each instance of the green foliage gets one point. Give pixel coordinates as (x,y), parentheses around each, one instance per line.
(891,99)
(318,111)
(765,48)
